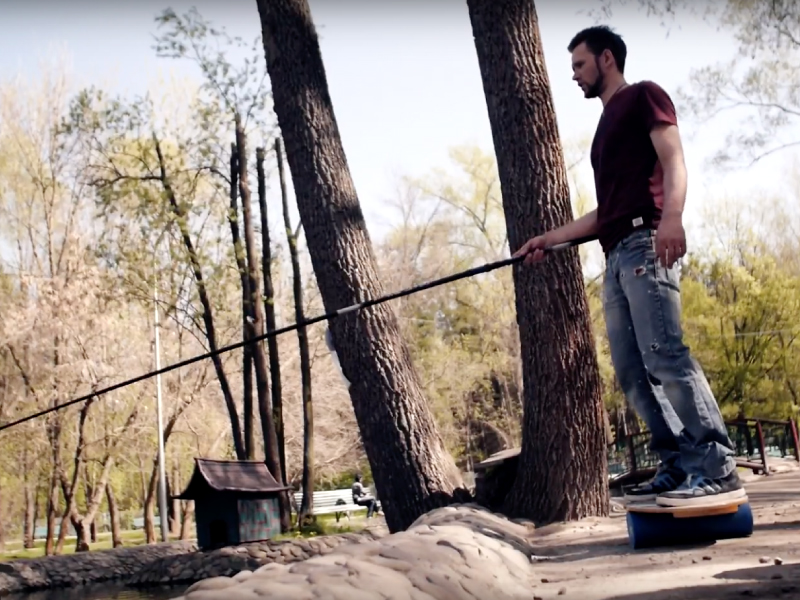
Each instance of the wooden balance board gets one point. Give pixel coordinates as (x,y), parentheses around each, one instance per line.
(650,524)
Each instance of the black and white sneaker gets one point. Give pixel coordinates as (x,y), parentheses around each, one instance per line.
(666,479)
(699,490)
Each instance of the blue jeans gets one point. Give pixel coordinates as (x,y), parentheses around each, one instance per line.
(657,373)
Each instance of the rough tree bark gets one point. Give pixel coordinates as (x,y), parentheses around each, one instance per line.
(269,312)
(307,504)
(247,351)
(562,472)
(271,452)
(413,470)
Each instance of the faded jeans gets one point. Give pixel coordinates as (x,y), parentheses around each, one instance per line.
(660,378)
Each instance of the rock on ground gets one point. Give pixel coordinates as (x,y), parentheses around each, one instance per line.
(453,553)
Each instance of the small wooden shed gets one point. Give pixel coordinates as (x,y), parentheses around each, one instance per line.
(235,502)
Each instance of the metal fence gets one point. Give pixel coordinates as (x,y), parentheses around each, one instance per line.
(755,442)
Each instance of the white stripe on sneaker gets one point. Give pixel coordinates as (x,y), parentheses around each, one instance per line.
(705,500)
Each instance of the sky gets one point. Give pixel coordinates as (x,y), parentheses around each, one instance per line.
(403,76)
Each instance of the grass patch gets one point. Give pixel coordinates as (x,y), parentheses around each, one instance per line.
(322,525)
(14,549)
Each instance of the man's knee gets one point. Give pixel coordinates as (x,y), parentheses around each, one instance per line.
(667,363)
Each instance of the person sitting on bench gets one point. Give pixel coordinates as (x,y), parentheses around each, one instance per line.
(361,498)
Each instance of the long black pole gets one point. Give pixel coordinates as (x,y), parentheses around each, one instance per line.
(325,317)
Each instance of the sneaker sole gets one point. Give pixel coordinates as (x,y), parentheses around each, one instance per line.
(713,500)
(640,498)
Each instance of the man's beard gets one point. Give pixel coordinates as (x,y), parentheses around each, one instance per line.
(594,90)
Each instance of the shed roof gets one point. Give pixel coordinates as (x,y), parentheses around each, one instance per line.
(251,477)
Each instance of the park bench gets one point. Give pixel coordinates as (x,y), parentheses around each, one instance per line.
(138,522)
(337,502)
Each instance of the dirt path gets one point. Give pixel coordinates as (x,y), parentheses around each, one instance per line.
(591,560)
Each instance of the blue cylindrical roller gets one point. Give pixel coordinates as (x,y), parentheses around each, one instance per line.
(647,530)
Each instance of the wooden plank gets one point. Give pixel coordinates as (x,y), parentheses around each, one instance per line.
(497,459)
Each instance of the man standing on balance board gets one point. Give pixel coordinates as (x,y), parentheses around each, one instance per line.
(640,179)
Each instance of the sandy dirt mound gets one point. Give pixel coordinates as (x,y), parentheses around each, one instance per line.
(464,553)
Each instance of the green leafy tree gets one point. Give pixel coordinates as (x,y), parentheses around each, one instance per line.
(236,98)
(144,178)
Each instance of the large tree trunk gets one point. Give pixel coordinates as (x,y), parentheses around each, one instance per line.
(149,507)
(269,312)
(152,483)
(52,509)
(113,513)
(89,493)
(307,504)
(186,520)
(31,497)
(175,504)
(202,293)
(413,470)
(63,531)
(271,452)
(562,473)
(84,523)
(2,520)
(247,351)
(142,479)
(41,486)
(83,536)
(247,405)
(69,485)
(29,525)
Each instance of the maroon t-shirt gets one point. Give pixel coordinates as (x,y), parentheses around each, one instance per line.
(629,180)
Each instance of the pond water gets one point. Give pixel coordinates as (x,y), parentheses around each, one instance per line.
(102,592)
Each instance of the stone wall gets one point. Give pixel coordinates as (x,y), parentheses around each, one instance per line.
(247,557)
(171,563)
(84,567)
(454,553)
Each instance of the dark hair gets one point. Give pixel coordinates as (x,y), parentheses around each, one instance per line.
(599,39)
